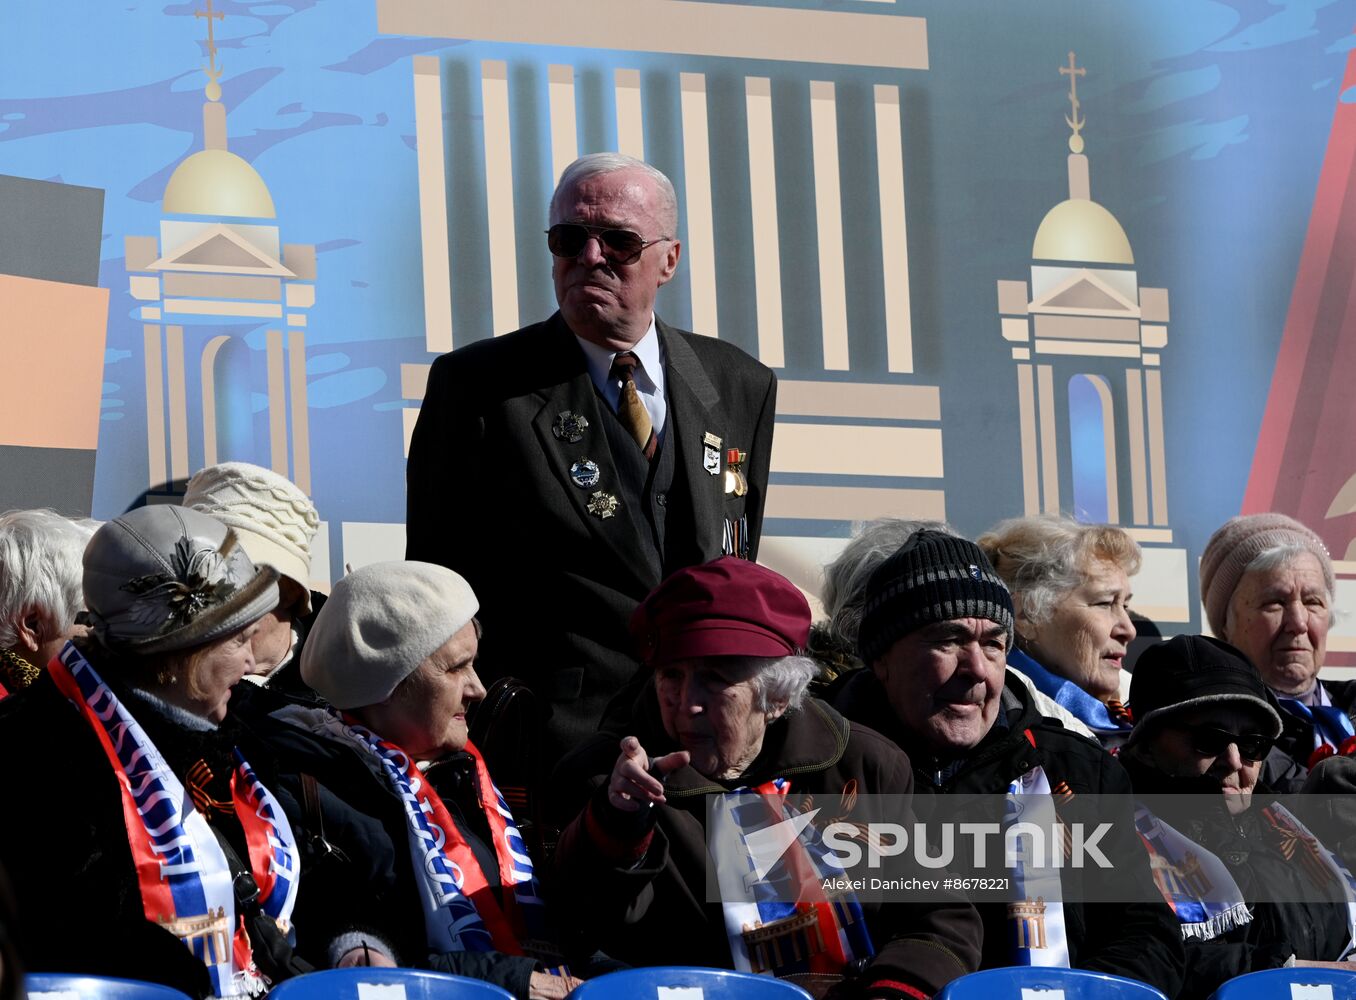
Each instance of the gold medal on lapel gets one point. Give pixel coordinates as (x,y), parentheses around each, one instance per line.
(735,480)
(603,505)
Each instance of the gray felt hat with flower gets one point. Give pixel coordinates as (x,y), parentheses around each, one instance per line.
(164,578)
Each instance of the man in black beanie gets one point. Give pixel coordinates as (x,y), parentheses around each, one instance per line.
(936,628)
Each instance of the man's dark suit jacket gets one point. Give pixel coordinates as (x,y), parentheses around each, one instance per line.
(490,495)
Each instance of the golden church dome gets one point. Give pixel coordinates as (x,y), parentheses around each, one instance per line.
(217,182)
(1081,230)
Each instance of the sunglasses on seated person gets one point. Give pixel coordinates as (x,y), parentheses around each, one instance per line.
(1211,741)
(619,246)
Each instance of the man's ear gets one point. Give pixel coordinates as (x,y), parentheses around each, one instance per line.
(673,251)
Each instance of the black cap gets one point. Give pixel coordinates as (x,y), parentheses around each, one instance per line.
(1192,671)
(933,577)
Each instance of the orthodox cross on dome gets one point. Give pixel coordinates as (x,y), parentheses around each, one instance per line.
(213,88)
(1076,122)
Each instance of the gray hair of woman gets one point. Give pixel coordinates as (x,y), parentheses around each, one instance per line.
(845,578)
(776,680)
(40,572)
(1042,558)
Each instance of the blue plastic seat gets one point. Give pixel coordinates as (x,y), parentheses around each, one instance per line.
(1009,983)
(39,984)
(346,984)
(1279,984)
(715,984)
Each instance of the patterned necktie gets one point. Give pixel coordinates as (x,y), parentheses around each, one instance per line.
(630,410)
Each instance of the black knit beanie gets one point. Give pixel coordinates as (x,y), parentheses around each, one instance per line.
(933,577)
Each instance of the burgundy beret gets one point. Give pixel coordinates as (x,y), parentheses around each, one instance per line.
(727,607)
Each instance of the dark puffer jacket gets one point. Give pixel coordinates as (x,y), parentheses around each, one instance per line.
(1316,928)
(1139,940)
(651,909)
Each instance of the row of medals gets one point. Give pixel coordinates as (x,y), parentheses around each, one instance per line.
(570,426)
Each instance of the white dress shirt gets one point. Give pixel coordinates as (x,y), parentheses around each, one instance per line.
(649,375)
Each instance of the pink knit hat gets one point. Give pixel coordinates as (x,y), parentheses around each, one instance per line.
(1236,544)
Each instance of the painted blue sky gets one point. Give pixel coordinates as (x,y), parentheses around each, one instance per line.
(1207,125)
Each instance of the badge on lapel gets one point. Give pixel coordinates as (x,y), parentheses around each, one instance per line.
(569,426)
(584,474)
(603,505)
(711,454)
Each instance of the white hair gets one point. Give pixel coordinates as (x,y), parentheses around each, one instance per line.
(1278,557)
(778,680)
(40,570)
(845,578)
(594,164)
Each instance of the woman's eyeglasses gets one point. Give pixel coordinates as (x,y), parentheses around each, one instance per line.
(1211,741)
(620,246)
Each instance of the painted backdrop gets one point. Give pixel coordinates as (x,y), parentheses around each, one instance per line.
(1057,255)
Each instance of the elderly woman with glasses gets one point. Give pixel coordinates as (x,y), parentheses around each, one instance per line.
(141,841)
(1250,885)
(726,712)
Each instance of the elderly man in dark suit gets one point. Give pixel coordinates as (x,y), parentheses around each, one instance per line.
(566,468)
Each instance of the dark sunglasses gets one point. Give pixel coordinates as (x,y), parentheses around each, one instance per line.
(620,246)
(1210,741)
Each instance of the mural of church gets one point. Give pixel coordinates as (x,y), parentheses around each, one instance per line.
(214,286)
(1087,343)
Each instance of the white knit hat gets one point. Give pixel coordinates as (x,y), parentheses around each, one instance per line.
(272,517)
(379,624)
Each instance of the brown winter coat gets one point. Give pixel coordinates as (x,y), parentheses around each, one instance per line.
(654,911)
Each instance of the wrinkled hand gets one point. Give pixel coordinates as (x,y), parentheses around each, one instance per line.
(365,956)
(632,787)
(544,986)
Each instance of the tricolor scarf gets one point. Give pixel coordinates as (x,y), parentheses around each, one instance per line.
(783,923)
(462,912)
(1320,865)
(1332,727)
(1195,883)
(185,879)
(1036,915)
(1100,718)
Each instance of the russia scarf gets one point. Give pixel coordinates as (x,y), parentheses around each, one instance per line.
(1321,866)
(1195,883)
(782,922)
(1036,915)
(185,879)
(1332,728)
(462,912)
